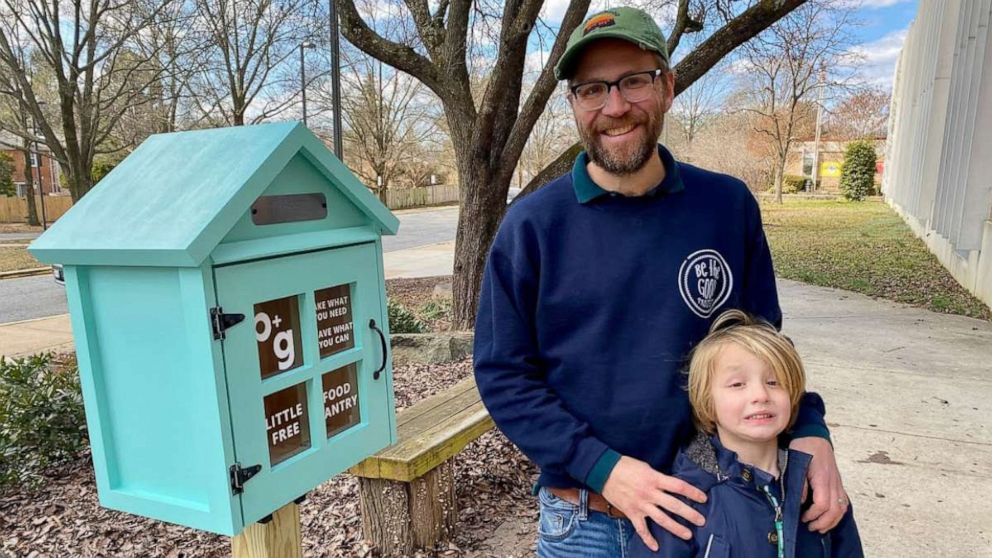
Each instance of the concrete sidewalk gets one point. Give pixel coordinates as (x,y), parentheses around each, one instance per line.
(909,402)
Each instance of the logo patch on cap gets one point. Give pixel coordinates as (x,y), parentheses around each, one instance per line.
(598,21)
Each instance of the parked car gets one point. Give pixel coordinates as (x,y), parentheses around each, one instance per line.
(59,274)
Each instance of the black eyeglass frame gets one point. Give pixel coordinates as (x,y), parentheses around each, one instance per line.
(616,83)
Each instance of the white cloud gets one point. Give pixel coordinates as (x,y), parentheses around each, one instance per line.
(877,59)
(871,4)
(553,11)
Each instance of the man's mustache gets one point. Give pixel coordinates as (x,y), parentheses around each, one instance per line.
(612,124)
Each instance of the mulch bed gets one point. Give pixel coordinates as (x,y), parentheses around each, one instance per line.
(64,519)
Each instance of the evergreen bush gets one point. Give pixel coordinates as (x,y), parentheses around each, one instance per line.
(857,175)
(402,320)
(437,309)
(7,175)
(792,184)
(42,421)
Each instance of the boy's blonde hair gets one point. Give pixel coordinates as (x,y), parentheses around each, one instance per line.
(757,337)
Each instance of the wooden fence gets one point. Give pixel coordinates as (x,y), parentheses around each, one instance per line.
(14,209)
(402,198)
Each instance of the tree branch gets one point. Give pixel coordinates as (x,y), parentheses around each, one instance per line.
(546,82)
(399,56)
(736,32)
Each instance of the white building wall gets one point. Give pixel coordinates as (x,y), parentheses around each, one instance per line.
(938,172)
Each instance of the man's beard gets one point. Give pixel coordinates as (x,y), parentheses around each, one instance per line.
(627,159)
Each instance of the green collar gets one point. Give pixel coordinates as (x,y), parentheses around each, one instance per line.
(586,190)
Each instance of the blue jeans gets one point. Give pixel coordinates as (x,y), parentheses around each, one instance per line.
(568,530)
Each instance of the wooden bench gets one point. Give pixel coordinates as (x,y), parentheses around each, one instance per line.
(407,490)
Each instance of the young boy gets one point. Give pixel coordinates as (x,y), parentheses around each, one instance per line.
(745,382)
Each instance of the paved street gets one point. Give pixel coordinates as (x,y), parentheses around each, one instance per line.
(5,237)
(37,297)
(27,298)
(420,227)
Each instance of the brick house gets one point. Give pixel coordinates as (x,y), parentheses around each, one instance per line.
(46,167)
(799,161)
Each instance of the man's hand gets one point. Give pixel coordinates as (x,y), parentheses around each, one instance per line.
(640,492)
(829,499)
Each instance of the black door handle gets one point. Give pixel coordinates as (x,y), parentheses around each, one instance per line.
(382,340)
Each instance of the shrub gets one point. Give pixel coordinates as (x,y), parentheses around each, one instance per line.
(42,422)
(436,309)
(857,175)
(402,320)
(7,175)
(792,184)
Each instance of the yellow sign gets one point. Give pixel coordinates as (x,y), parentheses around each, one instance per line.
(830,169)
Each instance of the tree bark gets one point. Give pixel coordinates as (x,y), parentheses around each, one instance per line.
(779,176)
(29,183)
(481,211)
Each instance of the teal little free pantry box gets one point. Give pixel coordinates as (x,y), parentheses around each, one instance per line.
(227,298)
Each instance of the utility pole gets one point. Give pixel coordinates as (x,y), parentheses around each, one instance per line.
(336,80)
(37,160)
(819,125)
(303,77)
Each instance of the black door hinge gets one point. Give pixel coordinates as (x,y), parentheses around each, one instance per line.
(220,322)
(240,476)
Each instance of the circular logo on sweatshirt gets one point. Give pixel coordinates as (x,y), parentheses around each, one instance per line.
(705,282)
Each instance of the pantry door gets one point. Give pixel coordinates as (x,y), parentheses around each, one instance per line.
(306,401)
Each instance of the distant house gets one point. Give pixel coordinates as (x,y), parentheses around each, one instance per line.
(799,161)
(46,168)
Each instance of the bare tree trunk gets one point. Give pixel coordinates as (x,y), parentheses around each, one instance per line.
(29,183)
(482,190)
(80,178)
(779,176)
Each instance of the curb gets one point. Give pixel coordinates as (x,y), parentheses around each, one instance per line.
(25,273)
(30,320)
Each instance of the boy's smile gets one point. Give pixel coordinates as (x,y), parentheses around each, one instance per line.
(751,406)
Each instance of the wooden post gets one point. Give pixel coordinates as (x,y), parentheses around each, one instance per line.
(399,518)
(279,538)
(433,508)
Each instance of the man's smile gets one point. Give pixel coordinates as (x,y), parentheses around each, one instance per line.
(619,131)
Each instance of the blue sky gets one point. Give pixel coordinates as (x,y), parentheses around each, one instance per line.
(878,38)
(881,36)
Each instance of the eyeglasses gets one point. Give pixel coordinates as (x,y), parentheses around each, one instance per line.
(634,88)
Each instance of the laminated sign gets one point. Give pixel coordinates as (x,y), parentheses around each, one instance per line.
(334,322)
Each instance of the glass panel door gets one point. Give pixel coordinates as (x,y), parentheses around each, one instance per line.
(304,402)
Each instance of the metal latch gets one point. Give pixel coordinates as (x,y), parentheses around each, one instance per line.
(220,322)
(240,476)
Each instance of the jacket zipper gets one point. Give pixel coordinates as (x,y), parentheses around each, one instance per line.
(709,546)
(778,520)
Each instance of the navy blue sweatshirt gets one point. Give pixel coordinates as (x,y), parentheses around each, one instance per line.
(590,303)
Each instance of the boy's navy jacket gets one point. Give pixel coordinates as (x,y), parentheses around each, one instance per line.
(590,303)
(740,520)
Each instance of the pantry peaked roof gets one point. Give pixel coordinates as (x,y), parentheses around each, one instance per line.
(174,198)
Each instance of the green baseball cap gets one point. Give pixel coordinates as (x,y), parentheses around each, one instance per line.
(628,24)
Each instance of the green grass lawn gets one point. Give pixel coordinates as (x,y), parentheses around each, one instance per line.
(862,247)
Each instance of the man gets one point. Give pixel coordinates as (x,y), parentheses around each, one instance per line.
(598,286)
